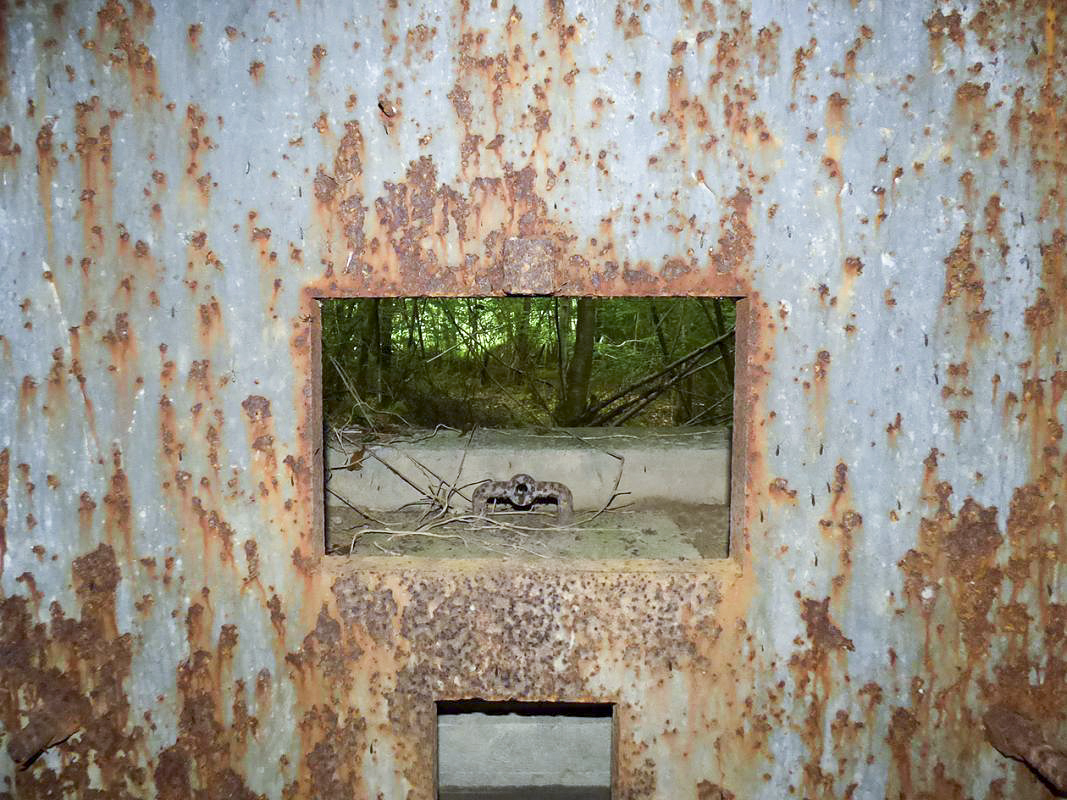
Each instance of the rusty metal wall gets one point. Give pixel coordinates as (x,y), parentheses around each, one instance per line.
(884,181)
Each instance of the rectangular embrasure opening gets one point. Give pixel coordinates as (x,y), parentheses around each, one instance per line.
(528,428)
(521,751)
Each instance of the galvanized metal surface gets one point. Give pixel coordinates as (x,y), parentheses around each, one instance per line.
(884,181)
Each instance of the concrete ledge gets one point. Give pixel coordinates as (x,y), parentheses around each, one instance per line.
(660,465)
(525,793)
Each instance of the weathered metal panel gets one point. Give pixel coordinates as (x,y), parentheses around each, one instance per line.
(884,181)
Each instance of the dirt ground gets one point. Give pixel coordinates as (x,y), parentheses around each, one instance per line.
(668,531)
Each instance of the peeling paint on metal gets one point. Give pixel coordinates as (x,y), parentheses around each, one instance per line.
(882,182)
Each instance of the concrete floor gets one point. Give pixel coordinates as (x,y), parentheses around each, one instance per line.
(526,793)
(668,531)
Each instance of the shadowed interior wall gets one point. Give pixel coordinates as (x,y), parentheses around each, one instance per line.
(884,182)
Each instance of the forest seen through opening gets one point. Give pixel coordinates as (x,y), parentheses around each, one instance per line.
(433,406)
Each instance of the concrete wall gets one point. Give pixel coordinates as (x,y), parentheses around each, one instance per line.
(656,465)
(514,750)
(883,182)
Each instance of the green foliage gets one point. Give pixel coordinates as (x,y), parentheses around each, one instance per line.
(502,362)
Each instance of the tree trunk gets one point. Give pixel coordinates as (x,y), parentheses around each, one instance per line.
(727,361)
(387,310)
(522,334)
(559,349)
(576,394)
(369,376)
(409,322)
(418,325)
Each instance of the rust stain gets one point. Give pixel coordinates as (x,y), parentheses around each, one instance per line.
(318,53)
(902,730)
(9,148)
(46,165)
(820,371)
(800,62)
(736,241)
(993,213)
(5,478)
(393,636)
(117,33)
(95,661)
(1019,737)
(941,26)
(964,281)
(812,668)
(852,54)
(767,48)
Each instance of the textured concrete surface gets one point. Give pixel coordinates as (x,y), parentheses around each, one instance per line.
(685,466)
(526,793)
(482,750)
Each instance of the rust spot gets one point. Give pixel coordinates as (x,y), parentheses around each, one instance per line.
(961,546)
(821,367)
(118,504)
(1019,737)
(325,187)
(893,428)
(54,722)
(852,54)
(780,487)
(277,616)
(800,61)
(8,147)
(902,729)
(387,107)
(706,790)
(116,32)
(529,266)
(987,145)
(348,163)
(963,279)
(171,775)
(256,407)
(767,49)
(255,69)
(836,106)
(1041,314)
(251,559)
(461,102)
(993,212)
(736,241)
(821,630)
(970,105)
(941,25)
(840,478)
